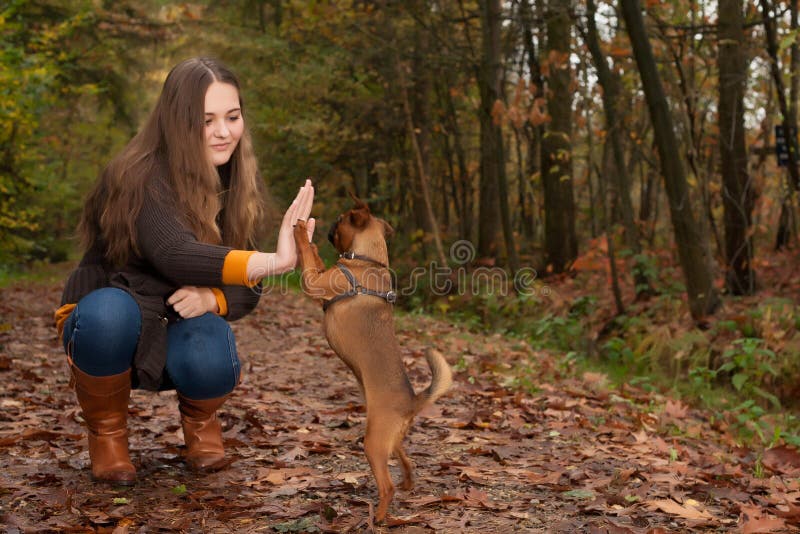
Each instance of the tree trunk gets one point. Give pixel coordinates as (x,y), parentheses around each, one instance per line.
(608,227)
(622,180)
(789,123)
(422,170)
(692,250)
(463,198)
(794,81)
(560,240)
(737,194)
(491,140)
(522,206)
(533,133)
(418,91)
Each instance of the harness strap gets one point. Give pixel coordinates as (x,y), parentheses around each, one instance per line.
(358,289)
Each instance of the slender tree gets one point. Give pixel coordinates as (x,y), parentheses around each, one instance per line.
(422,172)
(533,132)
(622,186)
(491,139)
(737,193)
(789,124)
(692,249)
(556,149)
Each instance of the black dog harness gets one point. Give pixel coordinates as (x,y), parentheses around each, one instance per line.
(355,287)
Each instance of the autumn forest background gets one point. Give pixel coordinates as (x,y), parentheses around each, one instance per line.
(607,171)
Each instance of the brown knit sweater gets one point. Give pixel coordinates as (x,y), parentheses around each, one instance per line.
(170,257)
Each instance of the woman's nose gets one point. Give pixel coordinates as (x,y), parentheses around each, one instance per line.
(221,129)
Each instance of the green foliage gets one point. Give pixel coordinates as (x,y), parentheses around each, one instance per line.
(747,364)
(644,264)
(305,524)
(62,109)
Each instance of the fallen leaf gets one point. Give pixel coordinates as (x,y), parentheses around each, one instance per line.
(474,475)
(294,454)
(788,511)
(783,459)
(351,478)
(671,507)
(545,478)
(579,494)
(676,409)
(753,519)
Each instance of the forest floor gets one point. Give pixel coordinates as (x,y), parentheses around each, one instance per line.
(577,456)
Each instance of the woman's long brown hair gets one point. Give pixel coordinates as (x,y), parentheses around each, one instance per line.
(172,145)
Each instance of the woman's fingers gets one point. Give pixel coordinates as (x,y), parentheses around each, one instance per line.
(312,223)
(301,205)
(305,199)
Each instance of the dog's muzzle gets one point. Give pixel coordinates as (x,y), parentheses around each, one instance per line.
(332,232)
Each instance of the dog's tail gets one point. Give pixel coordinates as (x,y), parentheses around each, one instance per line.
(441,380)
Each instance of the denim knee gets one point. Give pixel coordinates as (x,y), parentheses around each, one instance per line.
(102,332)
(202,361)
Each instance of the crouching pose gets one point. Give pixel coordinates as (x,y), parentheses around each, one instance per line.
(168,231)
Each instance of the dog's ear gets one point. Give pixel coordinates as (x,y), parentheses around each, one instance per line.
(359,217)
(360,204)
(388,231)
(360,214)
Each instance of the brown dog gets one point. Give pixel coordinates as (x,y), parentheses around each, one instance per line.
(359,325)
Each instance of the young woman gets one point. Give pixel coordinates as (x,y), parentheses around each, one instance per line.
(168,232)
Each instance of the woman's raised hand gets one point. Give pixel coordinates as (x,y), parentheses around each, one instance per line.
(301,206)
(299,210)
(284,258)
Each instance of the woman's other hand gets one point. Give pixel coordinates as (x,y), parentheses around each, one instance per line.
(191,301)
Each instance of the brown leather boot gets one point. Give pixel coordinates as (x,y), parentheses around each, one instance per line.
(202,432)
(104,401)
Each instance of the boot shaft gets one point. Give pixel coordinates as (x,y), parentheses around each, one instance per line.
(104,402)
(202,432)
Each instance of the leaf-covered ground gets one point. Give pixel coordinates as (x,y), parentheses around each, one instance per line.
(575,457)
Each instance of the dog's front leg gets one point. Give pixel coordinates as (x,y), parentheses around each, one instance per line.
(307,254)
(317,283)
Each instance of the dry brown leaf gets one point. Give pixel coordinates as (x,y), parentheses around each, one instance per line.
(545,478)
(783,459)
(671,507)
(676,409)
(753,519)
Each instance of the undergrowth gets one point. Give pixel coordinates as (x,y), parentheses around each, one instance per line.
(743,368)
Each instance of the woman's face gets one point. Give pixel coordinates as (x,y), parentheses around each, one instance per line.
(224,123)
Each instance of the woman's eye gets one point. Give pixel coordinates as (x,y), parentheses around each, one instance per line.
(208,122)
(233,118)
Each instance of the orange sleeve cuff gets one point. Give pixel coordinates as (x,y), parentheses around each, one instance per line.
(234,270)
(221,301)
(61,316)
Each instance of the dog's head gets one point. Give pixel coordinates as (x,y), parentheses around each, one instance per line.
(354,222)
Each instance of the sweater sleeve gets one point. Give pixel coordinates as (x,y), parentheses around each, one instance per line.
(174,251)
(241,300)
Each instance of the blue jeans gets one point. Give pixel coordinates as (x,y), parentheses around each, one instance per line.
(103,330)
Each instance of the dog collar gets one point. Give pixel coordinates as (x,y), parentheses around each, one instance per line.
(350,255)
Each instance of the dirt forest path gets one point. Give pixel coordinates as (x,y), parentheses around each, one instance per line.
(574,457)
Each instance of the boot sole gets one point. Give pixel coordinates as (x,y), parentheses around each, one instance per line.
(113,482)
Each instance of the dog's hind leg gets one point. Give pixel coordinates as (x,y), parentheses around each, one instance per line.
(378,445)
(408,468)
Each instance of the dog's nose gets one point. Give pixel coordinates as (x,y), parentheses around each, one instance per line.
(332,232)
